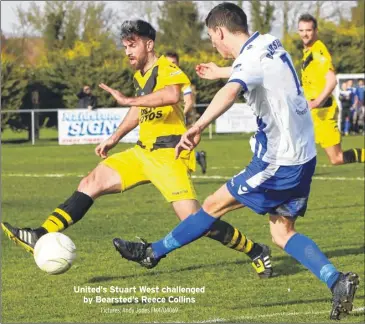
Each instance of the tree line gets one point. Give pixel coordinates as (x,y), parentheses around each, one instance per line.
(73,43)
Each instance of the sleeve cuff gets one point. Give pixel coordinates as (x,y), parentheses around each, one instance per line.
(243,84)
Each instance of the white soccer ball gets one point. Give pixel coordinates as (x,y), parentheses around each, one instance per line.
(54,253)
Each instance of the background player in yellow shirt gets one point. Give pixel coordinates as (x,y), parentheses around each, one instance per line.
(189,110)
(319,81)
(156,109)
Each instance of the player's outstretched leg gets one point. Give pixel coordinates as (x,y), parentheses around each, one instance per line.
(66,214)
(306,251)
(188,230)
(142,253)
(101,180)
(195,226)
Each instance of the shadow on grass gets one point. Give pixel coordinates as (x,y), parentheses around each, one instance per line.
(286,267)
(157,273)
(15,141)
(26,141)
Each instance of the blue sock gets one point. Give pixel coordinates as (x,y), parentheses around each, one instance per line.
(187,231)
(197,155)
(304,250)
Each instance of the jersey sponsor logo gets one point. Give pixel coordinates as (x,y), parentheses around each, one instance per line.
(149,114)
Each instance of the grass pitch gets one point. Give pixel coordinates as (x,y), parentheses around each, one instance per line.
(35,179)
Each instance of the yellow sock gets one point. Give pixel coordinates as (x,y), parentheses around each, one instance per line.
(57,221)
(240,242)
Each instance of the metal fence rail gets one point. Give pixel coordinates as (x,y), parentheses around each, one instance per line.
(32,113)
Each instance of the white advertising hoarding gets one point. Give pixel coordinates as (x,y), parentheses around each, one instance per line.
(238,119)
(81,126)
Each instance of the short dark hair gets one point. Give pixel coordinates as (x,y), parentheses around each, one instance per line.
(172,54)
(141,28)
(227,15)
(307,18)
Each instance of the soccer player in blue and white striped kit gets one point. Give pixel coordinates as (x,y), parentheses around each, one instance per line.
(277,180)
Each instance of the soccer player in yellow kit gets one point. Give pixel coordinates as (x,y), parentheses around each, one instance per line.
(156,109)
(319,81)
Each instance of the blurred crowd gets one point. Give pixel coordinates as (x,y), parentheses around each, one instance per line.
(353,108)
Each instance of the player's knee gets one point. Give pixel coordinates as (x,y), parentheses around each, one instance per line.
(336,159)
(211,205)
(90,183)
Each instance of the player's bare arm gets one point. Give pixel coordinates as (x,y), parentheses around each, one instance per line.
(331,83)
(169,95)
(188,103)
(221,102)
(129,122)
(211,71)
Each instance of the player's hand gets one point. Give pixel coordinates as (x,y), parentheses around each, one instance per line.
(118,96)
(207,71)
(312,104)
(104,147)
(189,140)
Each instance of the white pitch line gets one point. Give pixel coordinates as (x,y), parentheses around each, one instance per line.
(45,175)
(255,317)
(314,178)
(62,175)
(339,178)
(242,167)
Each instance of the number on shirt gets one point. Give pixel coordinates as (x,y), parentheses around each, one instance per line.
(286,60)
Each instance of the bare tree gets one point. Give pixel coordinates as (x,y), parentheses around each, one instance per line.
(146,10)
(289,11)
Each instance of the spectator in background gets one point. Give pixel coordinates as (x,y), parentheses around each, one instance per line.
(353,114)
(86,98)
(345,98)
(360,106)
(189,110)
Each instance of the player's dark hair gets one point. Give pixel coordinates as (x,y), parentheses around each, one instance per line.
(141,28)
(227,15)
(172,54)
(308,18)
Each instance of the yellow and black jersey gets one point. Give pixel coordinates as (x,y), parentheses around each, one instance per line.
(316,63)
(160,126)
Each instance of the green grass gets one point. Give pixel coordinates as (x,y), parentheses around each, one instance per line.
(45,135)
(335,220)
